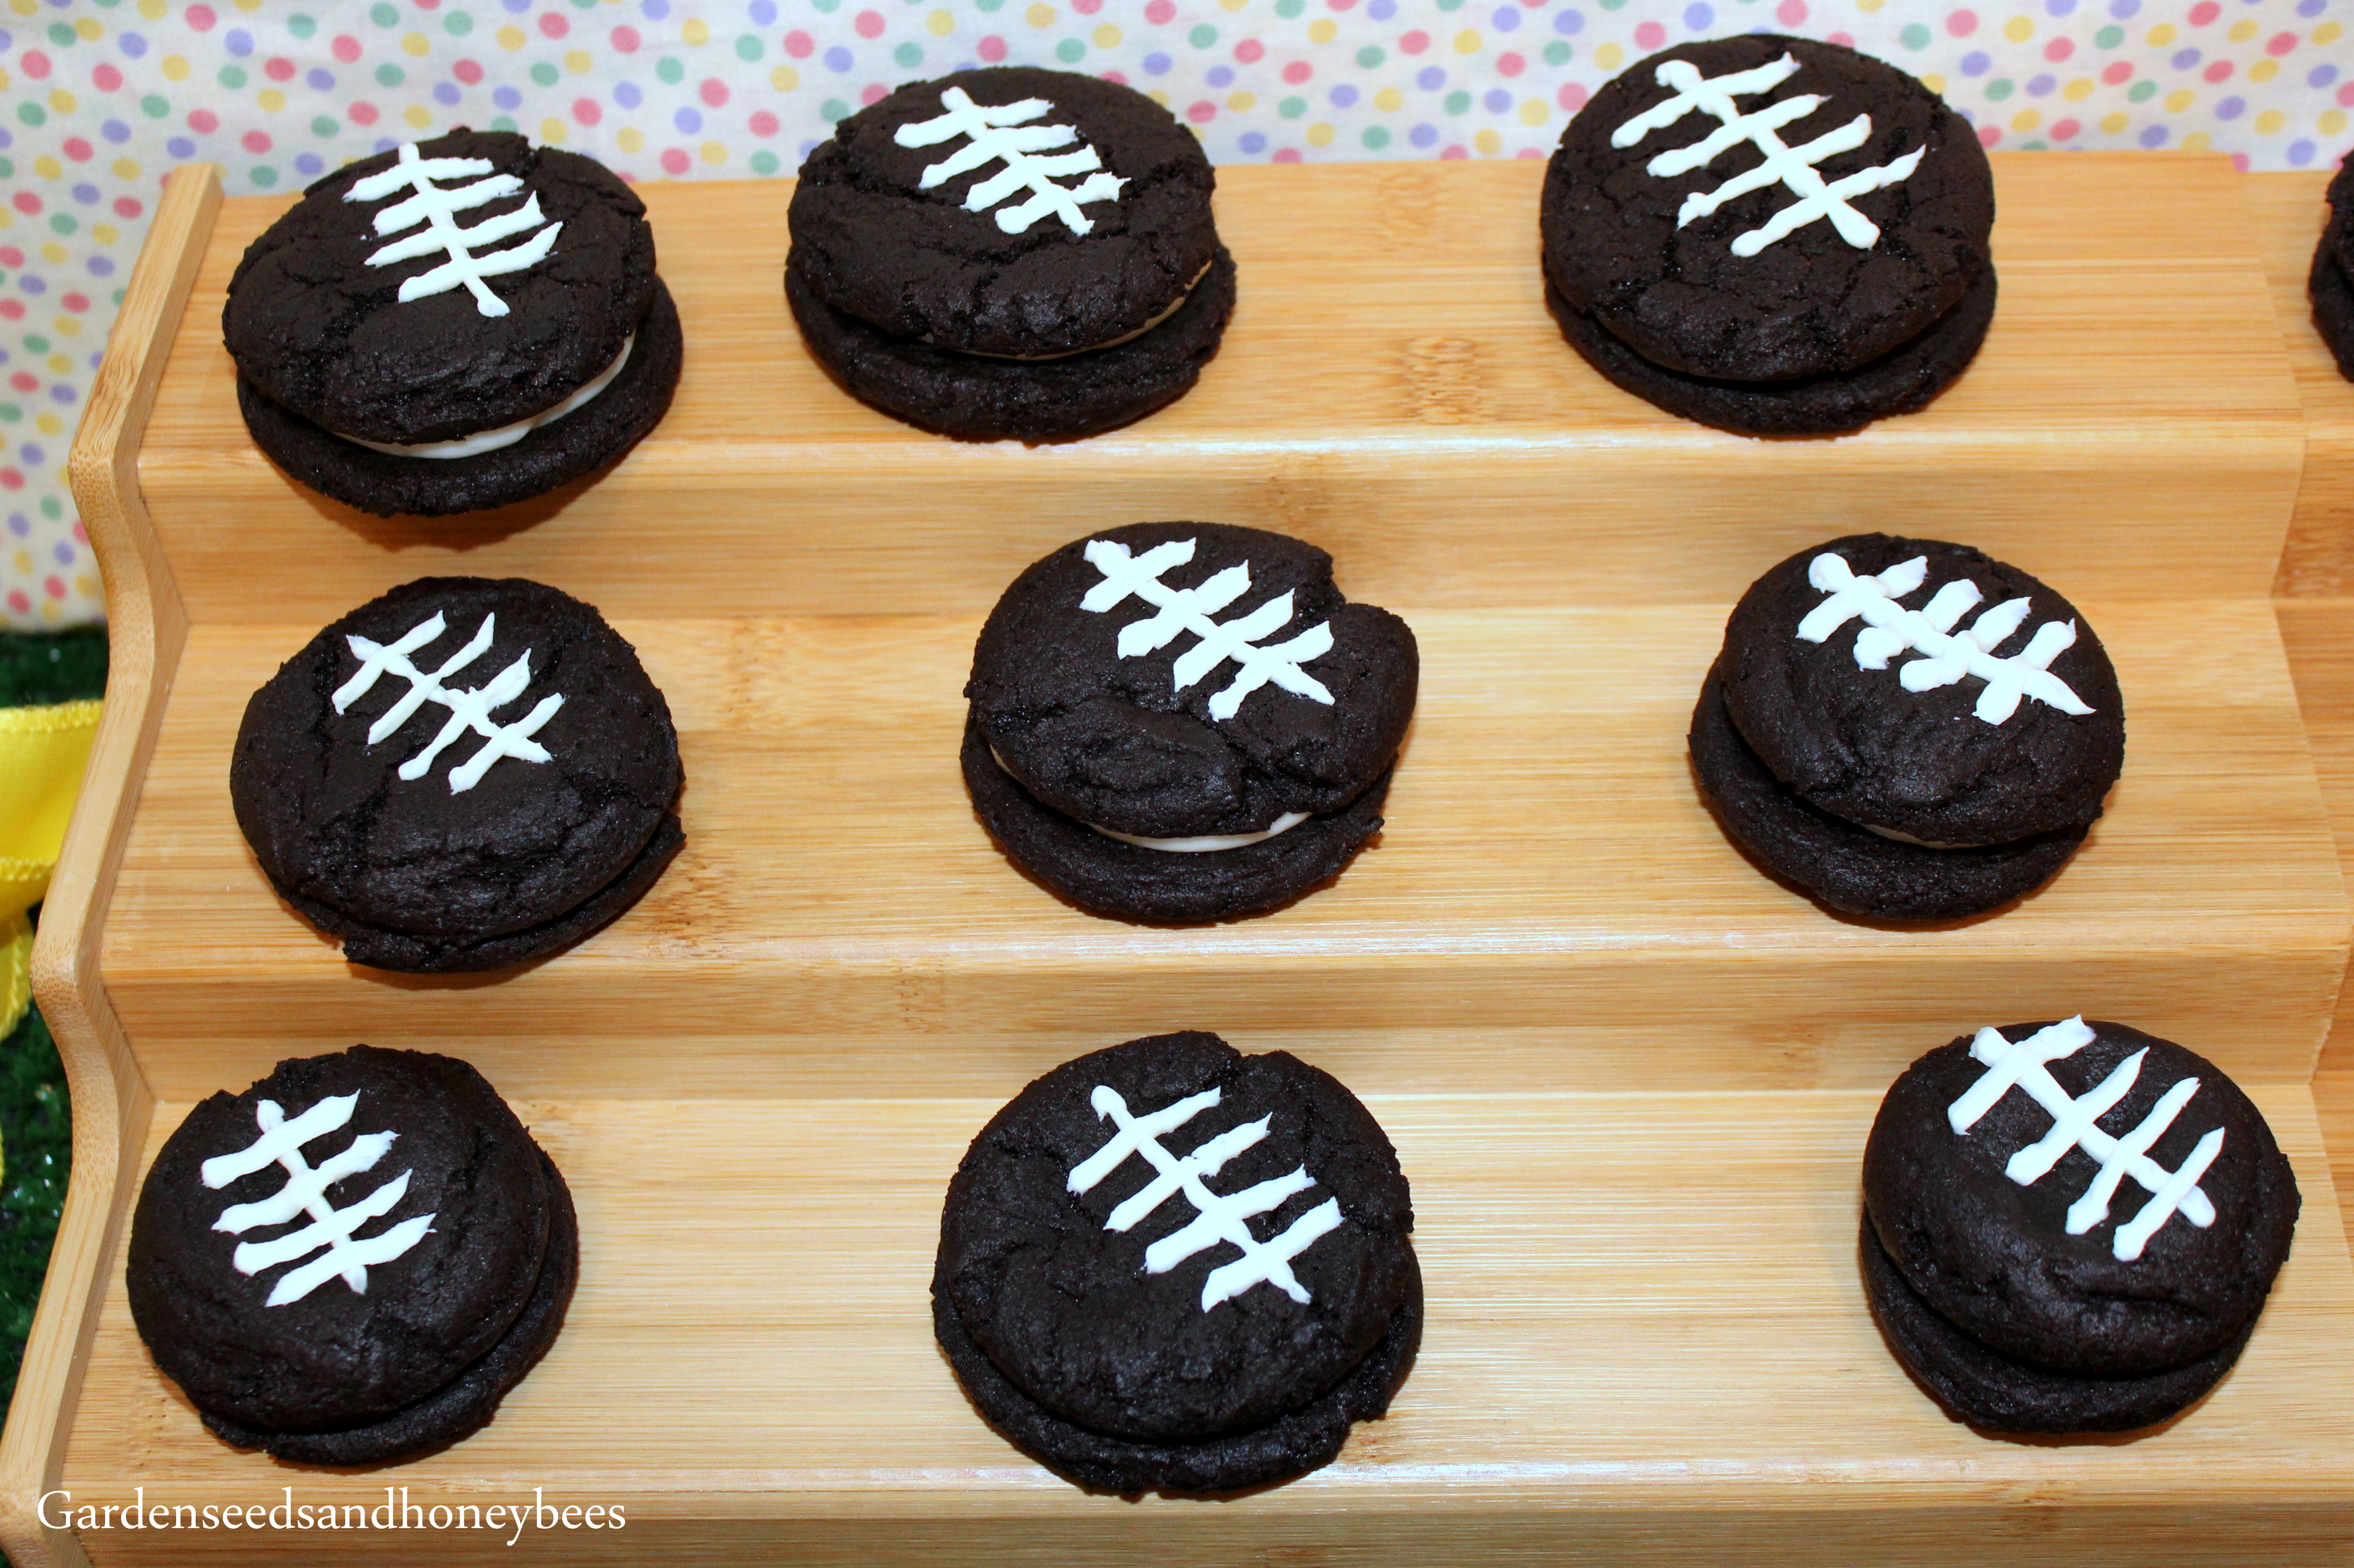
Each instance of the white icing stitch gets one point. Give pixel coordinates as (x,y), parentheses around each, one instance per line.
(1889,629)
(1190,609)
(2074,1124)
(305,1192)
(1002,132)
(482,441)
(468,709)
(1794,168)
(1218,1217)
(436,209)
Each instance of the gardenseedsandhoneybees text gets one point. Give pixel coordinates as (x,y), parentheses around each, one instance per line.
(59,1511)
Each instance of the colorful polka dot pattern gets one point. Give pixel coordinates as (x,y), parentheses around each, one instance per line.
(98,98)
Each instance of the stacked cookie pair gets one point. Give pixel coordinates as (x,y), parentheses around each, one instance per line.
(1167,1265)
(1771,235)
(1907,729)
(453,325)
(1010,253)
(353,1261)
(2071,1226)
(1185,721)
(463,773)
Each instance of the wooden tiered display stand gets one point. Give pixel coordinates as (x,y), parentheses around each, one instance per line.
(2313,595)
(1630,1077)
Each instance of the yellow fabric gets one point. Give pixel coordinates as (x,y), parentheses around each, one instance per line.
(42,750)
(15,969)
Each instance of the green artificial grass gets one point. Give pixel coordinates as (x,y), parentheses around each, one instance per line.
(36,1113)
(36,1137)
(51,666)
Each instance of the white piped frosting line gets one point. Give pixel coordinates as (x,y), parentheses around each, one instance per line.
(482,441)
(1202,843)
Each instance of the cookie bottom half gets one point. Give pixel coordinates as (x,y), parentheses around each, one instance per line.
(1905,380)
(382,947)
(591,436)
(976,399)
(1847,867)
(465,1404)
(1987,1390)
(2332,293)
(1289,1445)
(1106,876)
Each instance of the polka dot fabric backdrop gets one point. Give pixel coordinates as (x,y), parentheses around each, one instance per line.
(99,98)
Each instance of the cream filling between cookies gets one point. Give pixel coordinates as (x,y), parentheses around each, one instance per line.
(1167,311)
(1202,843)
(1918,844)
(1206,842)
(505,434)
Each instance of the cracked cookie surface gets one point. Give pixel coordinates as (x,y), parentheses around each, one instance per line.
(1850,738)
(443,877)
(973,398)
(442,1330)
(317,329)
(871,241)
(1112,1371)
(1115,740)
(1087,725)
(2010,1277)
(1809,303)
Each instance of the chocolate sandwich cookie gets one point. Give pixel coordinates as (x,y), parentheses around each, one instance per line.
(1907,729)
(463,773)
(1171,1266)
(1771,235)
(2071,1226)
(2331,282)
(453,325)
(1010,253)
(1184,721)
(353,1260)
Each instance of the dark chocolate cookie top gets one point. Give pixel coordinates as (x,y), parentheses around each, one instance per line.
(2138,1234)
(1821,267)
(337,1242)
(1179,678)
(461,757)
(2338,237)
(1169,1240)
(1063,213)
(1927,689)
(318,327)
(2330,287)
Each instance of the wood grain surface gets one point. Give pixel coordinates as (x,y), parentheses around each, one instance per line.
(2314,590)
(1650,1301)
(2318,559)
(1628,1075)
(1391,388)
(1550,898)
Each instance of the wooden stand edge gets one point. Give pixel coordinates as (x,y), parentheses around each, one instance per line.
(110,1097)
(2313,593)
